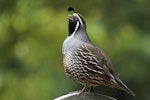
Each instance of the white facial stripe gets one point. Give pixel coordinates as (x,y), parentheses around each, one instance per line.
(77,26)
(75,14)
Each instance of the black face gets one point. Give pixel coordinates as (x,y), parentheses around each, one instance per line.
(73,23)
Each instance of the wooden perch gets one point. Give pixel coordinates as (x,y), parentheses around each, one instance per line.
(84,96)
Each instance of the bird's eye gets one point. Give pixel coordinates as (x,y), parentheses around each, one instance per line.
(76,19)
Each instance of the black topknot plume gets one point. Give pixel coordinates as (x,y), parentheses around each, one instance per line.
(71,9)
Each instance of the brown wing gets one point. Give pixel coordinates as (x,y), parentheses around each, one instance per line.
(98,66)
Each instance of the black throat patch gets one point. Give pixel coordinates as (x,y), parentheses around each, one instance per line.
(72,25)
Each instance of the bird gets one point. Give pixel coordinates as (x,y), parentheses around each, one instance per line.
(84,62)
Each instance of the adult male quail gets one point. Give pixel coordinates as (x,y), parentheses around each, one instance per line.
(84,62)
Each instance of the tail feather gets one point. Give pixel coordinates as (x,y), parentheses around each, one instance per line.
(124,87)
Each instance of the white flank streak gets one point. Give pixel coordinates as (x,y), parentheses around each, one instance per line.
(77,26)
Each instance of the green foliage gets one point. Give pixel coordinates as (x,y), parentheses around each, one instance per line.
(31,37)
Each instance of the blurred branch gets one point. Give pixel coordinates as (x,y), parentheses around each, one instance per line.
(84,96)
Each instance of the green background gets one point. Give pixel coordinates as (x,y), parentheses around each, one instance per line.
(31,37)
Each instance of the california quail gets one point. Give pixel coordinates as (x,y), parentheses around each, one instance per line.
(86,63)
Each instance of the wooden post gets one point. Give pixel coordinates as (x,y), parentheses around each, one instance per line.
(84,96)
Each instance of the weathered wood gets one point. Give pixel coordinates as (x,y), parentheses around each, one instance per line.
(84,96)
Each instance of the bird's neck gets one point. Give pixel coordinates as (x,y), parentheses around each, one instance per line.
(82,35)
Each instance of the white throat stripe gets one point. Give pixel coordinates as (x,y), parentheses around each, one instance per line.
(75,30)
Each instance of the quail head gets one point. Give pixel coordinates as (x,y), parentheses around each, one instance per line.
(84,62)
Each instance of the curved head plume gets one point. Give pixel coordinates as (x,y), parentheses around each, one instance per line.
(76,21)
(71,9)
